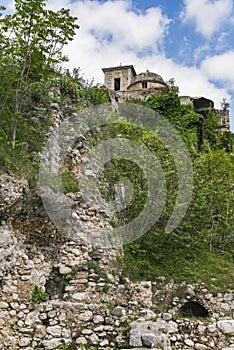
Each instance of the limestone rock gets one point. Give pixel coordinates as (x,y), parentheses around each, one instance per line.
(149,339)
(119,311)
(226,326)
(55,331)
(135,338)
(189,342)
(199,346)
(81,297)
(52,344)
(24,341)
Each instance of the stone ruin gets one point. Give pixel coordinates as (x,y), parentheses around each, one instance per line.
(56,292)
(124,83)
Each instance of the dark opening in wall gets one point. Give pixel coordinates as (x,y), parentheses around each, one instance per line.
(193,308)
(117,84)
(144,85)
(53,284)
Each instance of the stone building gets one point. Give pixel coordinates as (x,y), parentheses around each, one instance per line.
(202,106)
(124,83)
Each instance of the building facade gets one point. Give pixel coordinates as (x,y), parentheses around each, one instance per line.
(124,83)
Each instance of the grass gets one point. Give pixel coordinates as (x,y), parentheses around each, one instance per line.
(69,182)
(213,269)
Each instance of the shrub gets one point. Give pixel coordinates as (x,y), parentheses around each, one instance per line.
(39,296)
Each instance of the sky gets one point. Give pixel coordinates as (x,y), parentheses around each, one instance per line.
(191,41)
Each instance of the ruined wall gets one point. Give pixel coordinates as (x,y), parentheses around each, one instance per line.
(90,304)
(224,119)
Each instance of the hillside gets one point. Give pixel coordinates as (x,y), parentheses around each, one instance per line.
(74,175)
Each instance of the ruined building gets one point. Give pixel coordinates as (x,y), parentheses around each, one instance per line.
(123,84)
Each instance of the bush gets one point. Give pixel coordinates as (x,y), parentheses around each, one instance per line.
(39,296)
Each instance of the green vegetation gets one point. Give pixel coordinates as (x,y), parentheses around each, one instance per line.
(92,265)
(31,79)
(66,347)
(202,246)
(39,296)
(69,182)
(201,249)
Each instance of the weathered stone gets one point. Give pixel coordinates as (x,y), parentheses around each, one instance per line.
(3,305)
(24,341)
(172,327)
(200,346)
(52,344)
(119,311)
(64,269)
(105,342)
(81,297)
(135,338)
(55,331)
(167,316)
(150,340)
(228,297)
(40,332)
(98,319)
(94,339)
(189,342)
(81,341)
(86,316)
(32,318)
(211,328)
(148,314)
(226,326)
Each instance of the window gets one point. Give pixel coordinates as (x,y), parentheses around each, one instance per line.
(144,85)
(117,84)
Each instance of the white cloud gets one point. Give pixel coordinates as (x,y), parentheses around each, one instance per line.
(110,33)
(113,31)
(220,68)
(130,33)
(208,15)
(117,21)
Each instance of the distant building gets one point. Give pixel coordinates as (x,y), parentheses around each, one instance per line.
(126,84)
(202,106)
(123,84)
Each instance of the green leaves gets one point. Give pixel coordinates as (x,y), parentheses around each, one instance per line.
(202,246)
(31,43)
(39,296)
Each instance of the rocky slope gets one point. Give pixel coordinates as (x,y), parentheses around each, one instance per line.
(55,290)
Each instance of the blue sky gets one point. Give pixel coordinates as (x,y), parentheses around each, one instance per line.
(189,40)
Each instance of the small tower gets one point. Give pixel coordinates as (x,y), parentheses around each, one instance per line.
(119,78)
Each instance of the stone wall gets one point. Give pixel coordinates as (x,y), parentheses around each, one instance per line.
(90,305)
(224,118)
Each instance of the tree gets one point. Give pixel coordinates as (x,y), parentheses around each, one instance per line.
(34,39)
(172,87)
(225,105)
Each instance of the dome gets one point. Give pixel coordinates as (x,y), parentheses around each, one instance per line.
(148,80)
(149,76)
